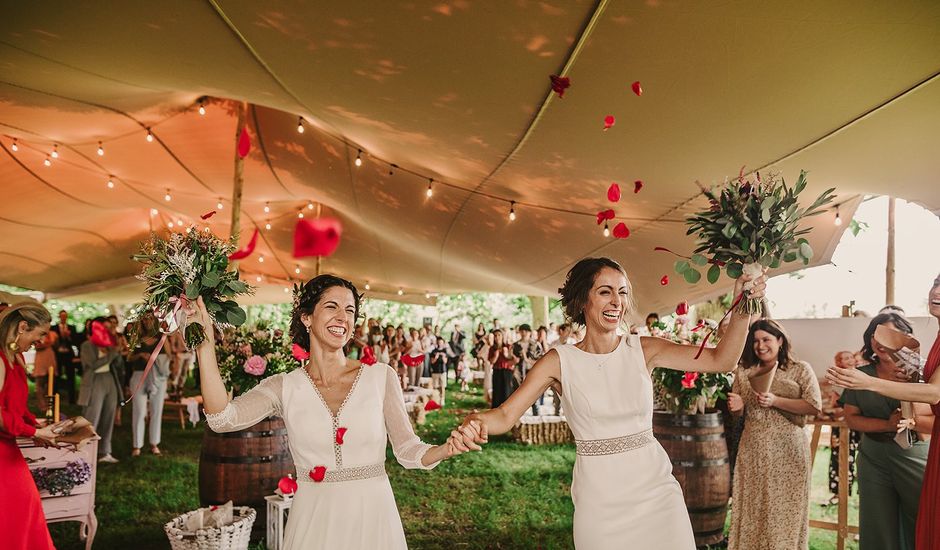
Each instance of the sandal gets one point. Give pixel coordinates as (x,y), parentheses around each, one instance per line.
(135,452)
(155,450)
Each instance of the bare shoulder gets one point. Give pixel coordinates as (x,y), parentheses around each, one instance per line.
(652,345)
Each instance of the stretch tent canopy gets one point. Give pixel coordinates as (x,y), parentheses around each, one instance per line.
(453,94)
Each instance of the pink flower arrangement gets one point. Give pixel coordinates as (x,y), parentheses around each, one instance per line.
(255,365)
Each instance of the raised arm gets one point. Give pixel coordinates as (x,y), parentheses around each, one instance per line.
(501,419)
(722,358)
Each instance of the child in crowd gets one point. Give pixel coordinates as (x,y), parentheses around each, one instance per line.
(831,409)
(466,375)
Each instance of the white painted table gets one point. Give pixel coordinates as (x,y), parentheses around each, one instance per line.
(80,504)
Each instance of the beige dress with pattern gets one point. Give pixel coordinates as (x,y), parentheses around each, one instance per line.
(770,495)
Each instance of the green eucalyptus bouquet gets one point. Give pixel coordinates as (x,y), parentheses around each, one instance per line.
(182,268)
(749,226)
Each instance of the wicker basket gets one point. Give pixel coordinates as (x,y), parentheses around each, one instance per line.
(235,536)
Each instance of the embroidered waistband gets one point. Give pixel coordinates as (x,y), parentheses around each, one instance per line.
(614,445)
(323,474)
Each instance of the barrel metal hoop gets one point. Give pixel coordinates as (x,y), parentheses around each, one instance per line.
(712,533)
(682,437)
(248,434)
(711,510)
(700,463)
(711,420)
(266,459)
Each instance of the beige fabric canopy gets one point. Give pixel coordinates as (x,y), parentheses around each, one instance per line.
(458,92)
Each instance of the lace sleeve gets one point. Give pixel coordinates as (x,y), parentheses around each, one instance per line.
(248,409)
(408,449)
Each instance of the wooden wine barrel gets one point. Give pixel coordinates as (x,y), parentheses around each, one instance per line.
(699,453)
(244,466)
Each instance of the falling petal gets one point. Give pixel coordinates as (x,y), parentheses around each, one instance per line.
(340,432)
(665,280)
(318,473)
(637,185)
(560,84)
(319,237)
(604,215)
(244,143)
(208,215)
(621,231)
(613,193)
(609,121)
(682,308)
(637,89)
(246,251)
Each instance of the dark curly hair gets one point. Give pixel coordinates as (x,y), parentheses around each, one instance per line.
(902,324)
(785,356)
(580,281)
(307,297)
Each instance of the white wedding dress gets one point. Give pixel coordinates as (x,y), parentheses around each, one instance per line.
(624,493)
(352,505)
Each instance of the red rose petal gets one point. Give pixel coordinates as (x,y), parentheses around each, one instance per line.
(244,143)
(637,185)
(208,215)
(319,237)
(368,356)
(340,432)
(613,192)
(605,215)
(318,473)
(665,280)
(299,353)
(682,308)
(432,405)
(609,121)
(560,84)
(245,251)
(621,231)
(637,89)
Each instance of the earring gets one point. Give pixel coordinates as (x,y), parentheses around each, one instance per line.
(14,347)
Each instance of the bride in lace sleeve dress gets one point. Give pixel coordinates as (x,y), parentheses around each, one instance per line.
(339,414)
(622,486)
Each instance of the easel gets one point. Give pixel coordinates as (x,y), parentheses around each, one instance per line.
(841,527)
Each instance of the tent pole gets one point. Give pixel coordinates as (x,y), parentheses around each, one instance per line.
(319,258)
(889,264)
(241,111)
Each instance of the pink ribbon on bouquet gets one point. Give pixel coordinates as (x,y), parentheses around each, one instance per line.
(175,314)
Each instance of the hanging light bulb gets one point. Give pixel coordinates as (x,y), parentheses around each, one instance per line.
(47,162)
(167,197)
(430,191)
(261,258)
(512,211)
(606,230)
(297,269)
(149,136)
(401,292)
(427,295)
(110,182)
(55,151)
(300,214)
(206,229)
(309,205)
(154,211)
(202,107)
(300,125)
(286,290)
(219,204)
(179,223)
(169,225)
(267,225)
(267,208)
(100,149)
(359,157)
(368,286)
(15,147)
(838,220)
(258,278)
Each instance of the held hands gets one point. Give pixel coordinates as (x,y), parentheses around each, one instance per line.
(464,439)
(766,400)
(735,403)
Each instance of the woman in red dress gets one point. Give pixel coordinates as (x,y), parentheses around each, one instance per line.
(928,512)
(22,522)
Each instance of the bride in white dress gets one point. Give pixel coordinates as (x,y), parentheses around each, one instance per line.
(339,415)
(623,490)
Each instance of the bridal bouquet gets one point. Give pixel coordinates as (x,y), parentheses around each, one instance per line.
(248,356)
(183,268)
(750,225)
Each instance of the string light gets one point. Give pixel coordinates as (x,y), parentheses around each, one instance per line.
(219,204)
(48,161)
(169,225)
(167,197)
(300,125)
(368,286)
(154,211)
(286,290)
(606,230)
(55,151)
(401,292)
(100,149)
(838,220)
(427,295)
(149,136)
(309,205)
(179,223)
(512,211)
(261,259)
(202,107)
(358,157)
(300,214)
(258,278)
(15,147)
(267,225)
(391,167)
(110,182)
(267,208)
(430,191)
(297,270)
(206,229)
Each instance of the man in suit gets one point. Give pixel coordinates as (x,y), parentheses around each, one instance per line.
(457,347)
(65,354)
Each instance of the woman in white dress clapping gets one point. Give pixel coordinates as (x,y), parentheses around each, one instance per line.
(339,414)
(623,490)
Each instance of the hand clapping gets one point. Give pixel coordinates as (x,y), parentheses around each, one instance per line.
(766,400)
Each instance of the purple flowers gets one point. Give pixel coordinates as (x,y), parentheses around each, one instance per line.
(256,365)
(61,481)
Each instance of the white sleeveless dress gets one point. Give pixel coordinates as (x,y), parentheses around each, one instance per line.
(351,506)
(627,498)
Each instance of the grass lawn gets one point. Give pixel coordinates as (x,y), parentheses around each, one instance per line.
(509,496)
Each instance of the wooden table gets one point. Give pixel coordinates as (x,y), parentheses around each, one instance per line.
(80,504)
(841,527)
